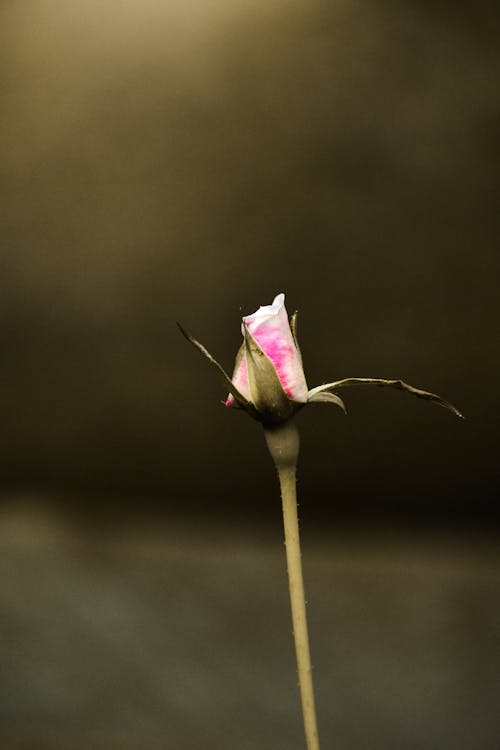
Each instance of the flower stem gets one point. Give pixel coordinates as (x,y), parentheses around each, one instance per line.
(283,444)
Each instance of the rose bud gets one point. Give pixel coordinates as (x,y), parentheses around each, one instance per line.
(268,379)
(268,369)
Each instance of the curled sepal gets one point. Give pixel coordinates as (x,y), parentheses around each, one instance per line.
(239,397)
(268,396)
(327,398)
(381,382)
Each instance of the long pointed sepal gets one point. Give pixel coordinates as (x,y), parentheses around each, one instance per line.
(239,397)
(382,382)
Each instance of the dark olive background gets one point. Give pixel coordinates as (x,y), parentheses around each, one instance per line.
(166,161)
(174,161)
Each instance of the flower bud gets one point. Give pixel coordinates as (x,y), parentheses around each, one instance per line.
(268,380)
(268,370)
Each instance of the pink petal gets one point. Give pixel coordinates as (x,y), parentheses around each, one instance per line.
(270,327)
(240,380)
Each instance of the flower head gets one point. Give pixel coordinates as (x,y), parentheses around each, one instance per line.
(268,369)
(268,379)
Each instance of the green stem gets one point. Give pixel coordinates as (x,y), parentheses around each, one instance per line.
(283,443)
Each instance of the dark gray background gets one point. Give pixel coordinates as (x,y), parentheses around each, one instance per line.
(166,161)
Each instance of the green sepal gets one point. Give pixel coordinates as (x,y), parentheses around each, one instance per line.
(382,382)
(239,397)
(268,396)
(293,328)
(327,398)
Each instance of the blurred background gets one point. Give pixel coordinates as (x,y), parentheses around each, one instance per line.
(188,160)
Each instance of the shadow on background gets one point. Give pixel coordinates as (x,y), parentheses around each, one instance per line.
(187,161)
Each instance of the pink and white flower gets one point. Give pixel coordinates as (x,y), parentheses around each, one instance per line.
(268,380)
(270,328)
